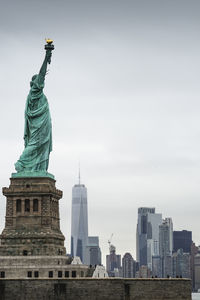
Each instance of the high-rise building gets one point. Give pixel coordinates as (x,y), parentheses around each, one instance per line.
(128,266)
(182,240)
(166,246)
(166,237)
(194,252)
(197,270)
(147,236)
(181,264)
(156,266)
(84,246)
(79,221)
(93,251)
(113,261)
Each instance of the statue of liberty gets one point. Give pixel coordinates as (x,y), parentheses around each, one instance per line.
(37,130)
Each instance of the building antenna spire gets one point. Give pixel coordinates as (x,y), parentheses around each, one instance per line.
(79,173)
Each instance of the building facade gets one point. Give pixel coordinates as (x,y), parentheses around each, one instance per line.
(182,240)
(113,262)
(194,252)
(147,235)
(156,266)
(181,264)
(128,266)
(197,271)
(93,251)
(166,247)
(84,246)
(79,222)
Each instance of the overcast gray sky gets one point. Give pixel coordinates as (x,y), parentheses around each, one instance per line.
(124,94)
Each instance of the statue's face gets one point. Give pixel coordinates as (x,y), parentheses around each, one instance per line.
(32,79)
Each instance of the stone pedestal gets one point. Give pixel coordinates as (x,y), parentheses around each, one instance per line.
(32,224)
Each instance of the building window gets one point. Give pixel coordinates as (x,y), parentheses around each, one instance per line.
(82,274)
(59,274)
(29,274)
(73,273)
(144,224)
(66,273)
(36,274)
(27,205)
(25,252)
(35,204)
(2,274)
(18,205)
(50,274)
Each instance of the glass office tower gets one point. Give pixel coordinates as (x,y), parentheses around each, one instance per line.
(79,222)
(147,236)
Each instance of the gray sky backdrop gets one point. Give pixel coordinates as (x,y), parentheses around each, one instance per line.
(124,94)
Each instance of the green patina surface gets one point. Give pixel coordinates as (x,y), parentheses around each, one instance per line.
(32,174)
(34,160)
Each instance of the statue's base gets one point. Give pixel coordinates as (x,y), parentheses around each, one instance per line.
(32,218)
(32,174)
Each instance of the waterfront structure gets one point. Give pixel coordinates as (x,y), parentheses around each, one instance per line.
(181,264)
(166,247)
(40,267)
(113,261)
(93,251)
(147,235)
(79,221)
(96,288)
(128,266)
(182,240)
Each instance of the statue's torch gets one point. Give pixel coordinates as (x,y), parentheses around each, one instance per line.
(49,47)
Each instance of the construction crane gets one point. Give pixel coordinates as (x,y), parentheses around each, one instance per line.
(109,241)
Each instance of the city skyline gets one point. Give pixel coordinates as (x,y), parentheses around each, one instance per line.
(124,98)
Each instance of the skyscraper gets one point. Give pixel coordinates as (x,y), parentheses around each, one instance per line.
(147,236)
(166,246)
(194,252)
(197,270)
(82,245)
(79,221)
(182,240)
(93,251)
(113,261)
(128,266)
(181,264)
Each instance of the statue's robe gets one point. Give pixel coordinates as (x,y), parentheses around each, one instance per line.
(37,130)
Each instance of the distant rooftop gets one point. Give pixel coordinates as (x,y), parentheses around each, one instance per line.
(79,185)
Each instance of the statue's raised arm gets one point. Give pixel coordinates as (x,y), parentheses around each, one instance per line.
(47,60)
